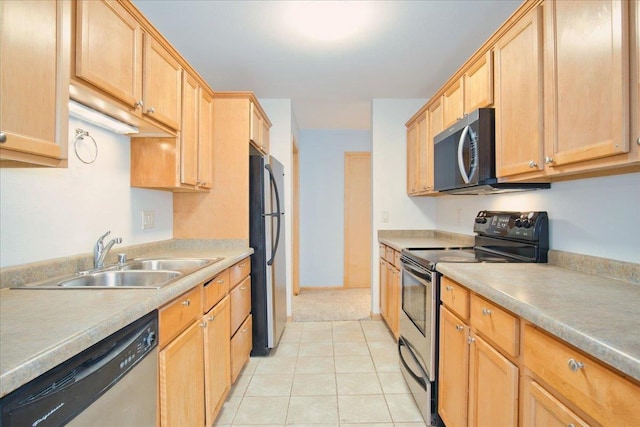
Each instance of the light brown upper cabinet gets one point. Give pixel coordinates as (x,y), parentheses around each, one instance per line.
(478,83)
(518,97)
(182,163)
(34,82)
(419,154)
(119,61)
(586,78)
(259,129)
(453,103)
(412,158)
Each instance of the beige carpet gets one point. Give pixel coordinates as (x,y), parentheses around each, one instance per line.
(331,304)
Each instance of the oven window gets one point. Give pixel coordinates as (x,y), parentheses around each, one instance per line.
(414,295)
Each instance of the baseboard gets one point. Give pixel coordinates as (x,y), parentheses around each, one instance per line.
(321,288)
(375,316)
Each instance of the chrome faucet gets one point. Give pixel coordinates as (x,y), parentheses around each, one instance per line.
(101,250)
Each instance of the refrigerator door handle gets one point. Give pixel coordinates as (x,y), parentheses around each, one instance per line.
(277,214)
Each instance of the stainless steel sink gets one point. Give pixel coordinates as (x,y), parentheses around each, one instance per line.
(175,264)
(150,273)
(122,279)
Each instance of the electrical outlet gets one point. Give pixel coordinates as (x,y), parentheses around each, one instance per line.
(148,219)
(385,216)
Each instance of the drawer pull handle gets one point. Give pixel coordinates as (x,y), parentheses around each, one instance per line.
(459,327)
(449,288)
(486,312)
(186,303)
(575,365)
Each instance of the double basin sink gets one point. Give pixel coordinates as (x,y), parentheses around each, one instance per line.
(136,274)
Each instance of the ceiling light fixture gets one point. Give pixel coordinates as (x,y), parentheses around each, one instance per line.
(97,118)
(328,20)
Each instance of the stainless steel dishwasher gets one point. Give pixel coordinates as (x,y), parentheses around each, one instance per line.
(112,383)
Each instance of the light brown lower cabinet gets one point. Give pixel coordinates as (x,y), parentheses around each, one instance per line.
(390,298)
(241,348)
(181,365)
(217,353)
(541,409)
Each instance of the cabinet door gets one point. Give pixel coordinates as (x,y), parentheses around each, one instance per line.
(478,84)
(34,87)
(383,289)
(541,409)
(454,370)
(394,300)
(241,348)
(436,119)
(412,159)
(452,101)
(586,92)
(205,140)
(161,84)
(182,380)
(493,386)
(240,304)
(217,362)
(108,42)
(425,154)
(518,97)
(189,131)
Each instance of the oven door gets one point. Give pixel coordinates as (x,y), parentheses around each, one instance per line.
(417,317)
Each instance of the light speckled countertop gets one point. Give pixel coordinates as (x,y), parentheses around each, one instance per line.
(596,314)
(400,239)
(41,328)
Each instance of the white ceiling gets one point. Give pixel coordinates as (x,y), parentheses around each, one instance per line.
(407,49)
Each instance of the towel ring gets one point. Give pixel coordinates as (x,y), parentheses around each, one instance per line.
(80,135)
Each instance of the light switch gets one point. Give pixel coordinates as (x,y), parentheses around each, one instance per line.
(148,219)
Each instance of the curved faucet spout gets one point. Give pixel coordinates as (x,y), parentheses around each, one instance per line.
(101,250)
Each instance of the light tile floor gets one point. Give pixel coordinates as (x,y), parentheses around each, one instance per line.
(333,374)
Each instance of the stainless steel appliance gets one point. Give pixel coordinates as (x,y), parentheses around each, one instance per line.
(465,161)
(500,237)
(114,381)
(268,262)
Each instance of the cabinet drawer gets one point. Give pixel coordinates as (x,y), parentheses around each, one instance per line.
(499,326)
(178,314)
(239,271)
(240,303)
(601,393)
(240,348)
(214,290)
(455,297)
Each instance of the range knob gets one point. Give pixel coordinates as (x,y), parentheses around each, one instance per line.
(518,222)
(150,339)
(526,223)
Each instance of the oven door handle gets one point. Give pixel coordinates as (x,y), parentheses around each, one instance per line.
(424,274)
(420,380)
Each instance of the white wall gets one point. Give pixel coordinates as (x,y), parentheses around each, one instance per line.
(597,216)
(322,202)
(283,127)
(389,136)
(48,213)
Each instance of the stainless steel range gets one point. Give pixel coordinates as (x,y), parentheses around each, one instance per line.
(500,237)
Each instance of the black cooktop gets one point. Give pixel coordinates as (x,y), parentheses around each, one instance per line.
(501,237)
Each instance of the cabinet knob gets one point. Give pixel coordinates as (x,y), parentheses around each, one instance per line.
(486,312)
(220,282)
(459,327)
(533,164)
(186,303)
(449,288)
(139,104)
(203,325)
(574,365)
(211,318)
(548,160)
(244,331)
(151,110)
(571,425)
(3,137)
(242,288)
(470,340)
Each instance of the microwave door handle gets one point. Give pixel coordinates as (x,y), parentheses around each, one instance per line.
(463,171)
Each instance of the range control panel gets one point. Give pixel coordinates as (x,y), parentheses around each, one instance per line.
(531,226)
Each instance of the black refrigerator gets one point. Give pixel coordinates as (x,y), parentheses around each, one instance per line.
(268,262)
